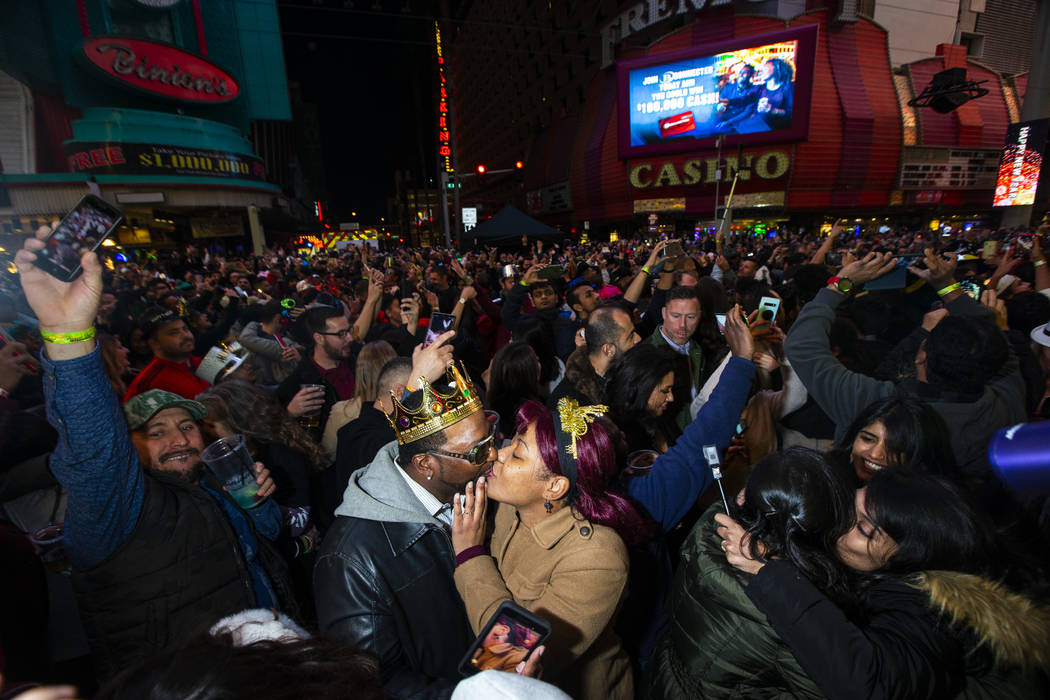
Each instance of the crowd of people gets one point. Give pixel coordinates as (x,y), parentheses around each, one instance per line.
(719,467)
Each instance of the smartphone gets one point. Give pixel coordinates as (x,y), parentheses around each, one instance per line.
(721,320)
(439,323)
(673,250)
(768,308)
(82,230)
(1025,241)
(508,638)
(551,272)
(972,289)
(989,250)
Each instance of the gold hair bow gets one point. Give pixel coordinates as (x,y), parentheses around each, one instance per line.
(576,419)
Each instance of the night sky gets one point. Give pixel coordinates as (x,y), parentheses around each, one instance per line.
(370,70)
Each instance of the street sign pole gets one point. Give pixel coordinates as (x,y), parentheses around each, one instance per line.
(444,208)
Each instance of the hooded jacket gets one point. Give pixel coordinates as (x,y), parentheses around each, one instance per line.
(842,394)
(384,583)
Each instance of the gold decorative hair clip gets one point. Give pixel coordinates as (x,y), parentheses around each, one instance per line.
(576,420)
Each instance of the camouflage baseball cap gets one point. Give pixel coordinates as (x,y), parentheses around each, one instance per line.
(141,408)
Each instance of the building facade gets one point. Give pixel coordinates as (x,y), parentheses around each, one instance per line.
(541,83)
(177,111)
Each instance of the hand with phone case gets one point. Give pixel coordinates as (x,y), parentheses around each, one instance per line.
(61,306)
(82,230)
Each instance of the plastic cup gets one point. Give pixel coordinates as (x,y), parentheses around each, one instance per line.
(640,462)
(312,419)
(231,463)
(50,543)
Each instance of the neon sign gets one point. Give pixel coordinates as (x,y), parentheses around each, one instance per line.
(444,114)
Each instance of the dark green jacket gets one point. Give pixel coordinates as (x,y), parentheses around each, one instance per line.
(687,373)
(718,644)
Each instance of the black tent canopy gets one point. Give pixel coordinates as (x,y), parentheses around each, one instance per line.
(509,224)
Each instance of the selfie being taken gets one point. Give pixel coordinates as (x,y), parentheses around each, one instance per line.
(601,350)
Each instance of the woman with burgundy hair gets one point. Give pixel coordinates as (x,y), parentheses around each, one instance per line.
(557,547)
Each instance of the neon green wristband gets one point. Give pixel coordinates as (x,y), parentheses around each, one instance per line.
(646,270)
(68,338)
(954,286)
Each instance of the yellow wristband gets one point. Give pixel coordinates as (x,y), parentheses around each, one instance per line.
(646,270)
(68,338)
(1037,263)
(954,286)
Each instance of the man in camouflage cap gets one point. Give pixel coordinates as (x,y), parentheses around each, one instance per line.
(159,550)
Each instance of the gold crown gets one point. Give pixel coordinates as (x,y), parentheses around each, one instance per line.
(438,410)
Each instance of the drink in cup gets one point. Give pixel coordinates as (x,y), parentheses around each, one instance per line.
(640,462)
(231,463)
(311,420)
(50,544)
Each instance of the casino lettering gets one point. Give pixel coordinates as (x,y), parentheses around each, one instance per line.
(125,62)
(766,166)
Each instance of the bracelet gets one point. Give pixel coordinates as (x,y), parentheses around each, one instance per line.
(68,338)
(523,283)
(309,544)
(462,300)
(1037,263)
(646,270)
(953,287)
(469,553)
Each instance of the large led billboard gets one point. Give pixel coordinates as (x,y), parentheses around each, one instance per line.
(1021,164)
(749,91)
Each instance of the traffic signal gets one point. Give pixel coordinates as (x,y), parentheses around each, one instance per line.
(519,165)
(481,169)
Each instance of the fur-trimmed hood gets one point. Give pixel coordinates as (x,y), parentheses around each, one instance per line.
(1013,628)
(580,372)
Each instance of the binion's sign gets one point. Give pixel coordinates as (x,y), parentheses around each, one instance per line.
(160,69)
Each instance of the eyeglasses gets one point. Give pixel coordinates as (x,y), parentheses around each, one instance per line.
(479,456)
(342,335)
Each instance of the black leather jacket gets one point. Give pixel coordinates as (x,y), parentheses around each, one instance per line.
(387,587)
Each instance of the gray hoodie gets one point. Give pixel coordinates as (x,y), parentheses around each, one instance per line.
(378,492)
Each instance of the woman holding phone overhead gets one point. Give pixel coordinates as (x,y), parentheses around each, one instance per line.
(556,547)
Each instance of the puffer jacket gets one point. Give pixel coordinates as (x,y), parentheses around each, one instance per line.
(719,644)
(937,634)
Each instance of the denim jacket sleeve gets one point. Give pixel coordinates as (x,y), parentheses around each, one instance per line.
(94,459)
(681,475)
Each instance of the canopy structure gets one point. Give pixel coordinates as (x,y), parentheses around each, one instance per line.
(509,224)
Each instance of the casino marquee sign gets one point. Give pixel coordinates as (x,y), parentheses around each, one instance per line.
(160,69)
(156,159)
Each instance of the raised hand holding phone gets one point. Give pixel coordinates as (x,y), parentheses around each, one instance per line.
(60,306)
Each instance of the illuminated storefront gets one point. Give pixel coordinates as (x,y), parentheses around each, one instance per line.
(150,105)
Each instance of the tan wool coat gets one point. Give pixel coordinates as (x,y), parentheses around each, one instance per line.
(571,573)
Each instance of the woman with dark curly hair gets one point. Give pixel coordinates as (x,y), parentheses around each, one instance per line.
(236,407)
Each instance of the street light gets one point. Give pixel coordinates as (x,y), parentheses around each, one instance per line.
(481,169)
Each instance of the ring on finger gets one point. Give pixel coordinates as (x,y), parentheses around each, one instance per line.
(466,512)
(725,546)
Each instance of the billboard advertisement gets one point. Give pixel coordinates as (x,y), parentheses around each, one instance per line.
(749,91)
(1021,164)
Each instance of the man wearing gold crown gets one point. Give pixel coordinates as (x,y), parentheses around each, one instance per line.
(384,576)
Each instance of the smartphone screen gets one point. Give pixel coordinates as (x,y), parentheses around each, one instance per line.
(439,323)
(721,320)
(972,289)
(551,272)
(507,639)
(80,231)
